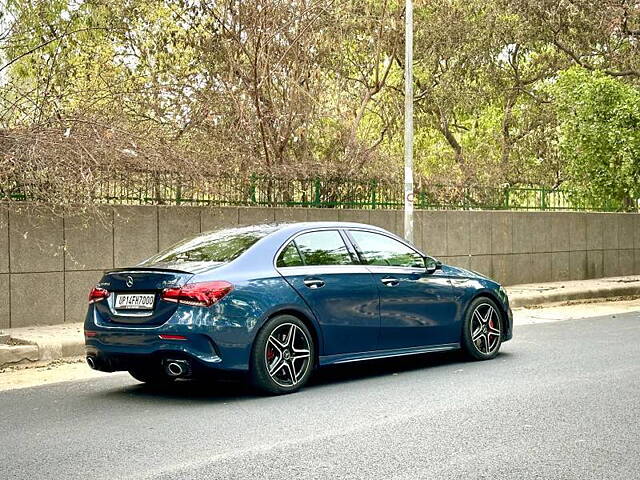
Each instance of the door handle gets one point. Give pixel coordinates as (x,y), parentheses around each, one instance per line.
(313,282)
(390,281)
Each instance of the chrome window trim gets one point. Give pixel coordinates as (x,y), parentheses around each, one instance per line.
(323,269)
(394,269)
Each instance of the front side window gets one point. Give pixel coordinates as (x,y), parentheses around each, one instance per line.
(323,248)
(379,249)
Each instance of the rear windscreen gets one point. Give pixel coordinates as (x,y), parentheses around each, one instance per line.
(217,246)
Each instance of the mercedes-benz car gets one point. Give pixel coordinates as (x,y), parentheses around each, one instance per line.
(274,302)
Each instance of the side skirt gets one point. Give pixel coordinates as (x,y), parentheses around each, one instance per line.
(372,355)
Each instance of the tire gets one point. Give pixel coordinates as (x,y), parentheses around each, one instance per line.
(283,356)
(482,329)
(150,376)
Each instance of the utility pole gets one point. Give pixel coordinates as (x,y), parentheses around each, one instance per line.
(408,121)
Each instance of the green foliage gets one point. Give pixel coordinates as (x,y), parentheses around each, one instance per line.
(599,136)
(299,88)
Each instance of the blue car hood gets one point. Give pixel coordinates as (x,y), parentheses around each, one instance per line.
(463,272)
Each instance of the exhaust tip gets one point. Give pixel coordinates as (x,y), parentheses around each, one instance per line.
(174,369)
(91,361)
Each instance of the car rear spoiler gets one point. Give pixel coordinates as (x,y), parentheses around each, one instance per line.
(146,269)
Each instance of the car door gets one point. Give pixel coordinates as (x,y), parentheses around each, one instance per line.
(340,291)
(417,308)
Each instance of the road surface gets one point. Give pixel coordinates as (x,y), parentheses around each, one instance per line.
(561,401)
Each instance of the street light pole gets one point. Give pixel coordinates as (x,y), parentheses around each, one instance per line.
(408,122)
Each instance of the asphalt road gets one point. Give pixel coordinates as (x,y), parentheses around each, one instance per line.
(561,401)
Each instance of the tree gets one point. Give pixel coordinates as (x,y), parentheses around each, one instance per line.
(599,118)
(95,88)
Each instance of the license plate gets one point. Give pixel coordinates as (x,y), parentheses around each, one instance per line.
(135,301)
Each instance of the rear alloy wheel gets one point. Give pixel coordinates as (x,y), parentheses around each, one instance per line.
(482,330)
(283,355)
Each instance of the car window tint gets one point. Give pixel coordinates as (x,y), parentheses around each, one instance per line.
(290,257)
(323,248)
(217,246)
(382,250)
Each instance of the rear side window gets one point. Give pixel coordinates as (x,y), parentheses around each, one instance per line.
(290,257)
(323,248)
(382,250)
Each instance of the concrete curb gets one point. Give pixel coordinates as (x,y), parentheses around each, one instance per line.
(40,353)
(42,345)
(569,296)
(18,355)
(526,296)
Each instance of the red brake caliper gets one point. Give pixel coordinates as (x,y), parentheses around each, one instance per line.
(270,354)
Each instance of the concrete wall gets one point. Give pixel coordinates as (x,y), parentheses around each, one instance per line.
(48,263)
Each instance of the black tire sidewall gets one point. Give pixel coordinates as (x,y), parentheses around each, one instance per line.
(260,377)
(467,345)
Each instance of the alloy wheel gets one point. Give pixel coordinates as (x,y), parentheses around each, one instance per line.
(485,329)
(287,355)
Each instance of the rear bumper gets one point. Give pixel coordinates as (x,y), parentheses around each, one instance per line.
(113,361)
(123,351)
(127,348)
(108,361)
(208,340)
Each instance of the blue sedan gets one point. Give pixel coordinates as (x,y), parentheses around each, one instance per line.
(273,302)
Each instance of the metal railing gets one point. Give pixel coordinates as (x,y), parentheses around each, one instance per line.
(161,188)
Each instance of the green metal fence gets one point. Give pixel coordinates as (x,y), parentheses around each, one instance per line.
(161,188)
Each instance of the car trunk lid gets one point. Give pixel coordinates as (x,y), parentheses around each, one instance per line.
(135,295)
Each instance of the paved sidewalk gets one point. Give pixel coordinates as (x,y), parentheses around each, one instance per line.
(41,345)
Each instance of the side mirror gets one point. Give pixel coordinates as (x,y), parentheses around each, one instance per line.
(431,264)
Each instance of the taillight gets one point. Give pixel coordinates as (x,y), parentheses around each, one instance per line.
(202,294)
(98,294)
(164,336)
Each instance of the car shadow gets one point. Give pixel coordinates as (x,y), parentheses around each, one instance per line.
(207,390)
(356,371)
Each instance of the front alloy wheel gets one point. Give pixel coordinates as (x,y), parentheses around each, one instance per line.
(482,334)
(283,355)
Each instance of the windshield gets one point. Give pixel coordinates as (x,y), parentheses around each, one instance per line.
(218,246)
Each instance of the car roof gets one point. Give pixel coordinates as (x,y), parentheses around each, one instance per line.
(289,228)
(260,256)
(284,231)
(322,224)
